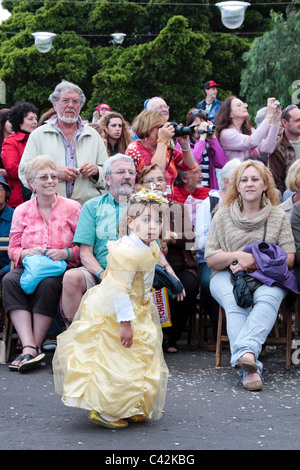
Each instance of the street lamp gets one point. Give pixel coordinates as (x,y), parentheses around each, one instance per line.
(43,41)
(118,38)
(232,13)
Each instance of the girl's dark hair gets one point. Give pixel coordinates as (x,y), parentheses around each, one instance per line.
(4,114)
(223,119)
(18,112)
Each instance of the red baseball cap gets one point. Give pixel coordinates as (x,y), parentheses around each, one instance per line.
(210,84)
(103,105)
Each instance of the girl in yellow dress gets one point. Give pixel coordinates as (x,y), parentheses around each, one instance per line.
(110,360)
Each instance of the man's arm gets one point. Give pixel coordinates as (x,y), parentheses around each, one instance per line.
(89,261)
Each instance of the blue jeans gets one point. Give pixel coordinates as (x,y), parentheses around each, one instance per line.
(247,328)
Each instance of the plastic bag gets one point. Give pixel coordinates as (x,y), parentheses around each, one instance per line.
(37,268)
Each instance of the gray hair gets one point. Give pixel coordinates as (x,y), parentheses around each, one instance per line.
(65,86)
(108,164)
(260,116)
(150,102)
(227,171)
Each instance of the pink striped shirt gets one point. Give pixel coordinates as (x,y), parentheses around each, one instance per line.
(29,228)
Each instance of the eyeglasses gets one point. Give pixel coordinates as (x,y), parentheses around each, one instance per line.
(161,107)
(123,172)
(160,179)
(46,177)
(287,109)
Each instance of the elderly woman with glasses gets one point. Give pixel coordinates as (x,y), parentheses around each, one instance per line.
(43,225)
(153,146)
(236,134)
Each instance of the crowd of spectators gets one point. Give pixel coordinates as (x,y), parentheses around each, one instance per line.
(65,183)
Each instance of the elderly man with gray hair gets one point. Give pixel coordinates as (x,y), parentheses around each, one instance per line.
(78,150)
(98,224)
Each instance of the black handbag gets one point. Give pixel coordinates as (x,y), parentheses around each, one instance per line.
(164,279)
(244,285)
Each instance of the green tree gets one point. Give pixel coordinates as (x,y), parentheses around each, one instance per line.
(273,63)
(172,66)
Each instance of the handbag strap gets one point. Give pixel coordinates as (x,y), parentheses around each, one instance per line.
(265,230)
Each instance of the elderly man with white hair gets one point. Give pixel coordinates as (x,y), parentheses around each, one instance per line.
(78,150)
(158,104)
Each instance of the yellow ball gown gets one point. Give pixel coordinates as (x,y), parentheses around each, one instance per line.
(92,370)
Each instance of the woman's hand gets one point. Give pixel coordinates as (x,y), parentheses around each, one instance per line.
(244,262)
(57,255)
(126,334)
(166,132)
(37,250)
(273,111)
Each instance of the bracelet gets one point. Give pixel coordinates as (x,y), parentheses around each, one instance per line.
(166,265)
(98,274)
(187,149)
(68,256)
(163,141)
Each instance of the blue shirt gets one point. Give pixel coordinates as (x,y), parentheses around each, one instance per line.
(98,223)
(5,224)
(213,109)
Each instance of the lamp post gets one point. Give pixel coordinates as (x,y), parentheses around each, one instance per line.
(232,13)
(118,38)
(43,41)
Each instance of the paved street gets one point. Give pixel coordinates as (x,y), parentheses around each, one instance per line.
(206,409)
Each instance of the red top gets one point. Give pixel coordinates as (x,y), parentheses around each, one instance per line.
(180,194)
(11,154)
(142,156)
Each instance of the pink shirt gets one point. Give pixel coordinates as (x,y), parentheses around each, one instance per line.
(29,228)
(238,145)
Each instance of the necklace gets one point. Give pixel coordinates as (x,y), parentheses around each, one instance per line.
(151,149)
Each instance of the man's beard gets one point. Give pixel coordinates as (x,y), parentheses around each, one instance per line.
(127,190)
(69,120)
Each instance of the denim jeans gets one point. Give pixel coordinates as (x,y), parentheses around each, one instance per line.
(247,328)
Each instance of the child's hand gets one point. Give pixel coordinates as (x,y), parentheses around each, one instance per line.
(126,334)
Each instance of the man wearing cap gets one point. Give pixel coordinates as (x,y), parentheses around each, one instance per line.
(101,109)
(210,104)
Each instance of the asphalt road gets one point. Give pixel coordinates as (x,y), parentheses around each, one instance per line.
(206,409)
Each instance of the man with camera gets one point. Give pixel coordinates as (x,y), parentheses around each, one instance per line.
(210,104)
(205,147)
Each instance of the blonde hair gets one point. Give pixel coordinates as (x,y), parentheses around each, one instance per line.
(232,193)
(146,121)
(134,210)
(36,164)
(292,181)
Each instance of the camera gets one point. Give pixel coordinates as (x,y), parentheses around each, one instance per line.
(277,104)
(183,130)
(210,130)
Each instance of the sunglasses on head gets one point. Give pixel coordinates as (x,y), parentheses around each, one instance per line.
(287,109)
